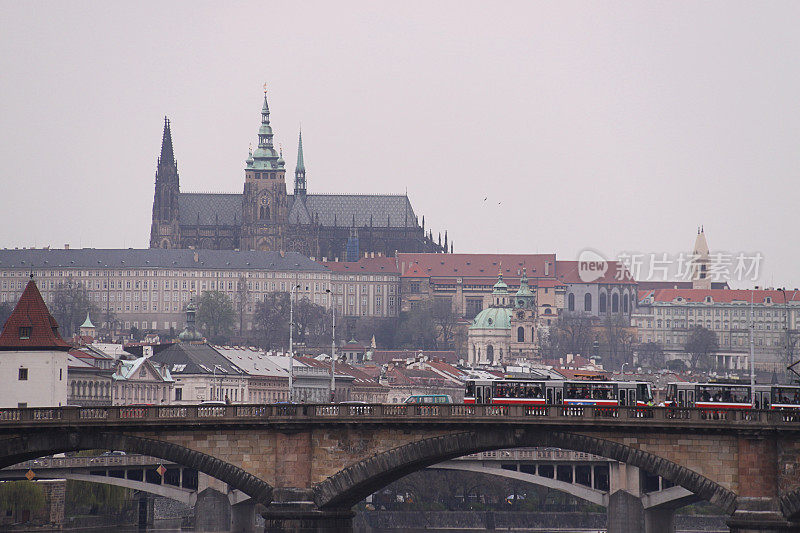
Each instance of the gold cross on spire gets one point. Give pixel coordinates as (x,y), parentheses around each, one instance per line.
(265,88)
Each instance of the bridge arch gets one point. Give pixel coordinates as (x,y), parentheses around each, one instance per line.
(23,448)
(352,484)
(595,496)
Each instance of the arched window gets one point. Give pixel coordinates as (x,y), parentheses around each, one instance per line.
(571,302)
(490,353)
(520,334)
(533,335)
(615,303)
(587,302)
(602,303)
(625,303)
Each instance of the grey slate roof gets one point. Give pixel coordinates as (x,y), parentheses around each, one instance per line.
(222,209)
(183,358)
(226,209)
(157,258)
(342,207)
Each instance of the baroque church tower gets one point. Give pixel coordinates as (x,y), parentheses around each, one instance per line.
(165,229)
(264,203)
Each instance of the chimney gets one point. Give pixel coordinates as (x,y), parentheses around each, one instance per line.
(66,246)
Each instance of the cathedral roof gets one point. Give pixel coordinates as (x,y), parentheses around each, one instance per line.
(381,209)
(332,209)
(213,208)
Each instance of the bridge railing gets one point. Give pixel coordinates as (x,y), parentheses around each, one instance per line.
(328,412)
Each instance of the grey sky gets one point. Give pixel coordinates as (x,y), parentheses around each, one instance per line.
(617,126)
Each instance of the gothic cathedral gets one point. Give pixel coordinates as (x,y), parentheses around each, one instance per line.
(265,217)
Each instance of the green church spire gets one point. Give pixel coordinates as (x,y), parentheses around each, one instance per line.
(265,157)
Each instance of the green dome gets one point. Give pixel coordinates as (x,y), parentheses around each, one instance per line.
(493,318)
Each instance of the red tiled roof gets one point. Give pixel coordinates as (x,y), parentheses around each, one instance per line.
(567,272)
(655,285)
(31,312)
(373,265)
(722,295)
(476,265)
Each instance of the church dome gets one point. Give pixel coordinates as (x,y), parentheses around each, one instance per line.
(493,318)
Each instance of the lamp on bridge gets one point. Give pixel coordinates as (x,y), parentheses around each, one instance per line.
(291,345)
(333,347)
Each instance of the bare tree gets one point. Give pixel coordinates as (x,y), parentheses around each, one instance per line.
(70,305)
(272,320)
(618,339)
(571,334)
(215,315)
(701,344)
(242,299)
(446,322)
(651,354)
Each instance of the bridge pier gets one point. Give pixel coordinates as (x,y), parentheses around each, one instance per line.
(659,521)
(212,512)
(760,515)
(243,517)
(294,511)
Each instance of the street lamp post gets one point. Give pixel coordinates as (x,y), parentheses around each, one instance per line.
(752,357)
(333,347)
(291,346)
(217,390)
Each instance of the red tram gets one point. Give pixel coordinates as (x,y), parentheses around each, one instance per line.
(734,395)
(524,391)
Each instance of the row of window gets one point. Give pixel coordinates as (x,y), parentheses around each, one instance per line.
(602,304)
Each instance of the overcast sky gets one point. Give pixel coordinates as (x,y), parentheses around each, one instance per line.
(614,126)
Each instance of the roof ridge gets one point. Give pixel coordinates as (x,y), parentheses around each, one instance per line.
(211,192)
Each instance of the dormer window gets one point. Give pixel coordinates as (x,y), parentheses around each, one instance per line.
(25,332)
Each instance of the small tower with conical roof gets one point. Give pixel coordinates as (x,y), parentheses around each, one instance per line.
(164,230)
(264,203)
(700,261)
(500,296)
(87,329)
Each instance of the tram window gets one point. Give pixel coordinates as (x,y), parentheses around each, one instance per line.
(488,394)
(471,388)
(690,398)
(765,400)
(622,396)
(558,396)
(550,396)
(681,398)
(479,397)
(643,392)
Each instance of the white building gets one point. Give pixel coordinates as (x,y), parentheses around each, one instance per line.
(33,356)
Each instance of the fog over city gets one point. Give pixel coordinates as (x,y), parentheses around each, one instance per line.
(517,127)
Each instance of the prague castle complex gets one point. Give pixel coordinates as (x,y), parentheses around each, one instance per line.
(265,217)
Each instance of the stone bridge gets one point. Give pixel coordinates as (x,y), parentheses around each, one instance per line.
(309,464)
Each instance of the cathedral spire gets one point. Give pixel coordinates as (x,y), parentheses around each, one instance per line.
(265,157)
(300,169)
(167,154)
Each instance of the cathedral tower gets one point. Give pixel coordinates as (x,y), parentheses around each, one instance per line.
(300,171)
(165,230)
(264,203)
